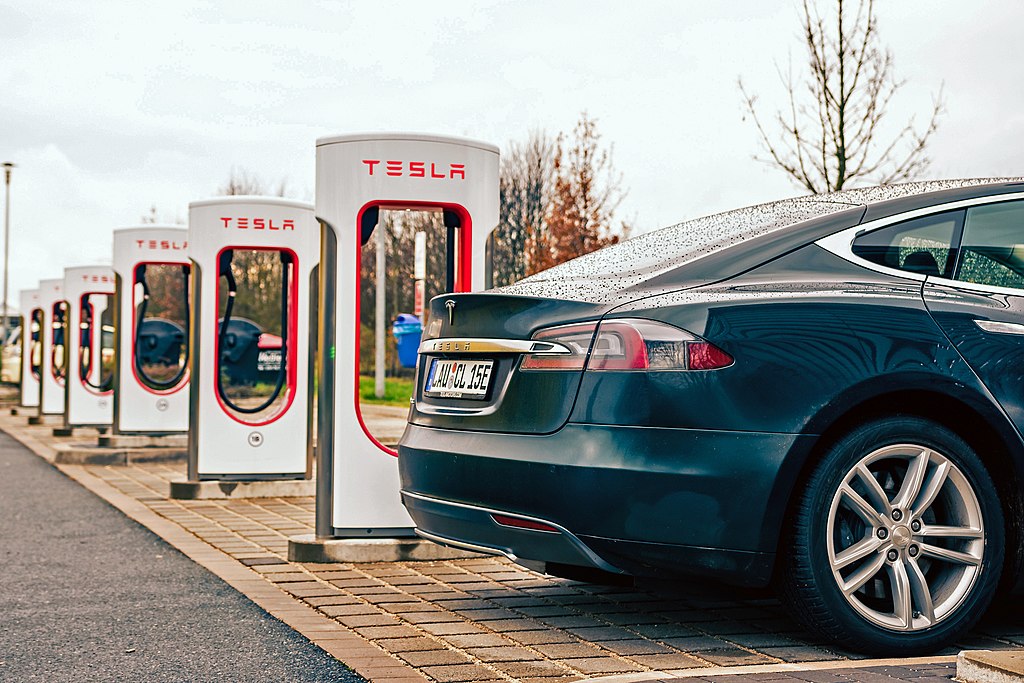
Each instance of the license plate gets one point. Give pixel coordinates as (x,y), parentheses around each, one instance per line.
(459,378)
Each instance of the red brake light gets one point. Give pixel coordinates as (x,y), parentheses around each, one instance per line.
(627,344)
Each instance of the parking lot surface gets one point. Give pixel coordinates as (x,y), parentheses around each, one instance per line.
(90,595)
(486,619)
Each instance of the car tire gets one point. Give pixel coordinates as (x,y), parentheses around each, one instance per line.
(906,575)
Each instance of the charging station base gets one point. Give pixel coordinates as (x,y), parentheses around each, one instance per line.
(93,454)
(22,410)
(309,548)
(267,488)
(78,430)
(44,419)
(144,440)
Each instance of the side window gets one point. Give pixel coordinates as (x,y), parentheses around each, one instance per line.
(992,251)
(921,245)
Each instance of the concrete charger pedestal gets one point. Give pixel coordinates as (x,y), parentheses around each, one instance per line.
(309,548)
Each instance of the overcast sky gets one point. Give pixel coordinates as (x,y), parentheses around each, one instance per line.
(111,108)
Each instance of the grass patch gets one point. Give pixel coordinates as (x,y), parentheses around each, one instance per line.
(397,391)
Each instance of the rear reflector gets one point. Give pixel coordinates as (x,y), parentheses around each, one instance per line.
(520,523)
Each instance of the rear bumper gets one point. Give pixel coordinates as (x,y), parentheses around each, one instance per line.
(643,501)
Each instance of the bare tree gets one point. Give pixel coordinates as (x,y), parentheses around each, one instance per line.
(527,180)
(831,132)
(258,273)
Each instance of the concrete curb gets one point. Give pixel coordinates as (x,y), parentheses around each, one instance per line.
(986,666)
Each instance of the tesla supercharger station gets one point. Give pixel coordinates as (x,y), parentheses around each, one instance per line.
(31,352)
(356,177)
(89,395)
(251,387)
(151,382)
(53,368)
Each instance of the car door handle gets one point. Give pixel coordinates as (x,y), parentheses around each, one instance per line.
(1000,327)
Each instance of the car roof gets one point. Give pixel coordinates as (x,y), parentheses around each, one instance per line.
(888,200)
(724,244)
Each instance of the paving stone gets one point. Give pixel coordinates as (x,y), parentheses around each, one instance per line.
(469,604)
(518,602)
(733,657)
(258,561)
(390,598)
(574,621)
(347,610)
(334,599)
(435,658)
(662,631)
(450,628)
(507,653)
(632,619)
(567,650)
(417,644)
(538,668)
(430,617)
(797,653)
(696,643)
(635,647)
(400,631)
(510,625)
(674,660)
(541,636)
(546,611)
(357,620)
(760,640)
(460,673)
(477,640)
(601,665)
(602,633)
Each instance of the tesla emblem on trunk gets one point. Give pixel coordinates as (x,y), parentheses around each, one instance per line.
(450,305)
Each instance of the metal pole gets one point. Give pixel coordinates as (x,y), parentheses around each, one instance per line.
(7,241)
(380,313)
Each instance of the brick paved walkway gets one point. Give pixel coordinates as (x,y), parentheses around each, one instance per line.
(487,619)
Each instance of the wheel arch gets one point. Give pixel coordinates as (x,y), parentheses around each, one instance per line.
(980,423)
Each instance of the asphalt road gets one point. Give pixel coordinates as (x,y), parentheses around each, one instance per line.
(86,594)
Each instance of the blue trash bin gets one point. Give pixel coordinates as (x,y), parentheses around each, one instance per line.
(407,330)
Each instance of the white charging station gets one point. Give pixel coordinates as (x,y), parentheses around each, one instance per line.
(356,177)
(241,248)
(53,350)
(89,395)
(31,352)
(151,380)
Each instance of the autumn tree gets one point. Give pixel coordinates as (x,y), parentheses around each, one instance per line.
(831,132)
(586,193)
(527,181)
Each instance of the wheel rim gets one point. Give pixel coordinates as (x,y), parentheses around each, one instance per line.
(906,537)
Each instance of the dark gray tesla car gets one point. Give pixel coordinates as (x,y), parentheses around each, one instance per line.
(825,392)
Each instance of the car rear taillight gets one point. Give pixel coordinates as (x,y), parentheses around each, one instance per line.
(627,344)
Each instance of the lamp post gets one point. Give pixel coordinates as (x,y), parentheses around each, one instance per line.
(8,166)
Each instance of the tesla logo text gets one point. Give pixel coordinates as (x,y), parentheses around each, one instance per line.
(162,245)
(417,169)
(258,223)
(97,278)
(451,346)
